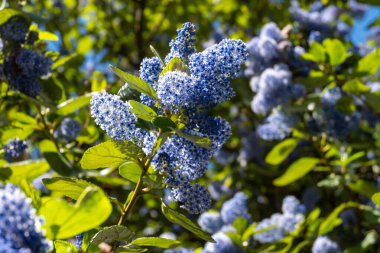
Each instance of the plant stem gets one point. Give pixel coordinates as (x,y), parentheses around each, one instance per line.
(131,203)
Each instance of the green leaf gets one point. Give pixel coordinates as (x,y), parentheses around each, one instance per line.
(373,100)
(182,220)
(336,51)
(126,93)
(142,111)
(376,198)
(66,186)
(112,234)
(355,86)
(73,104)
(62,61)
(371,2)
(31,193)
(135,82)
(130,170)
(64,247)
(164,123)
(8,13)
(155,242)
(281,151)
(296,170)
(44,35)
(333,219)
(332,181)
(154,51)
(316,53)
(55,159)
(370,63)
(99,82)
(203,142)
(249,232)
(106,154)
(363,187)
(175,64)
(28,170)
(240,224)
(64,220)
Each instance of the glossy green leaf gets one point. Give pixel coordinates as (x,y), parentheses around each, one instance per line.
(142,111)
(8,13)
(99,82)
(316,53)
(296,170)
(164,123)
(373,100)
(73,104)
(66,186)
(130,170)
(203,142)
(28,170)
(112,234)
(370,63)
(135,82)
(363,187)
(376,198)
(55,159)
(182,220)
(44,35)
(281,151)
(175,64)
(333,219)
(106,154)
(64,220)
(336,51)
(155,242)
(355,86)
(64,247)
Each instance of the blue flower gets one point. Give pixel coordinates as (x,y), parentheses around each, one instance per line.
(20,228)
(277,126)
(150,70)
(184,45)
(210,222)
(212,70)
(68,130)
(324,245)
(223,244)
(14,30)
(14,149)
(113,116)
(234,208)
(194,197)
(33,64)
(274,231)
(291,205)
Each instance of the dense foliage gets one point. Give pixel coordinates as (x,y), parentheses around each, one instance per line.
(227,126)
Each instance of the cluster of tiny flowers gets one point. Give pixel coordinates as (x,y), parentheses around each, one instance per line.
(113,116)
(68,130)
(279,224)
(218,223)
(324,245)
(23,67)
(330,120)
(20,228)
(79,241)
(276,126)
(150,70)
(274,87)
(194,197)
(320,21)
(14,149)
(183,45)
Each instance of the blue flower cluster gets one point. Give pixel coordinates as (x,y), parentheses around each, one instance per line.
(274,87)
(113,116)
(324,245)
(22,67)
(20,228)
(320,21)
(14,149)
(184,44)
(330,120)
(279,224)
(14,30)
(276,126)
(189,93)
(69,129)
(218,223)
